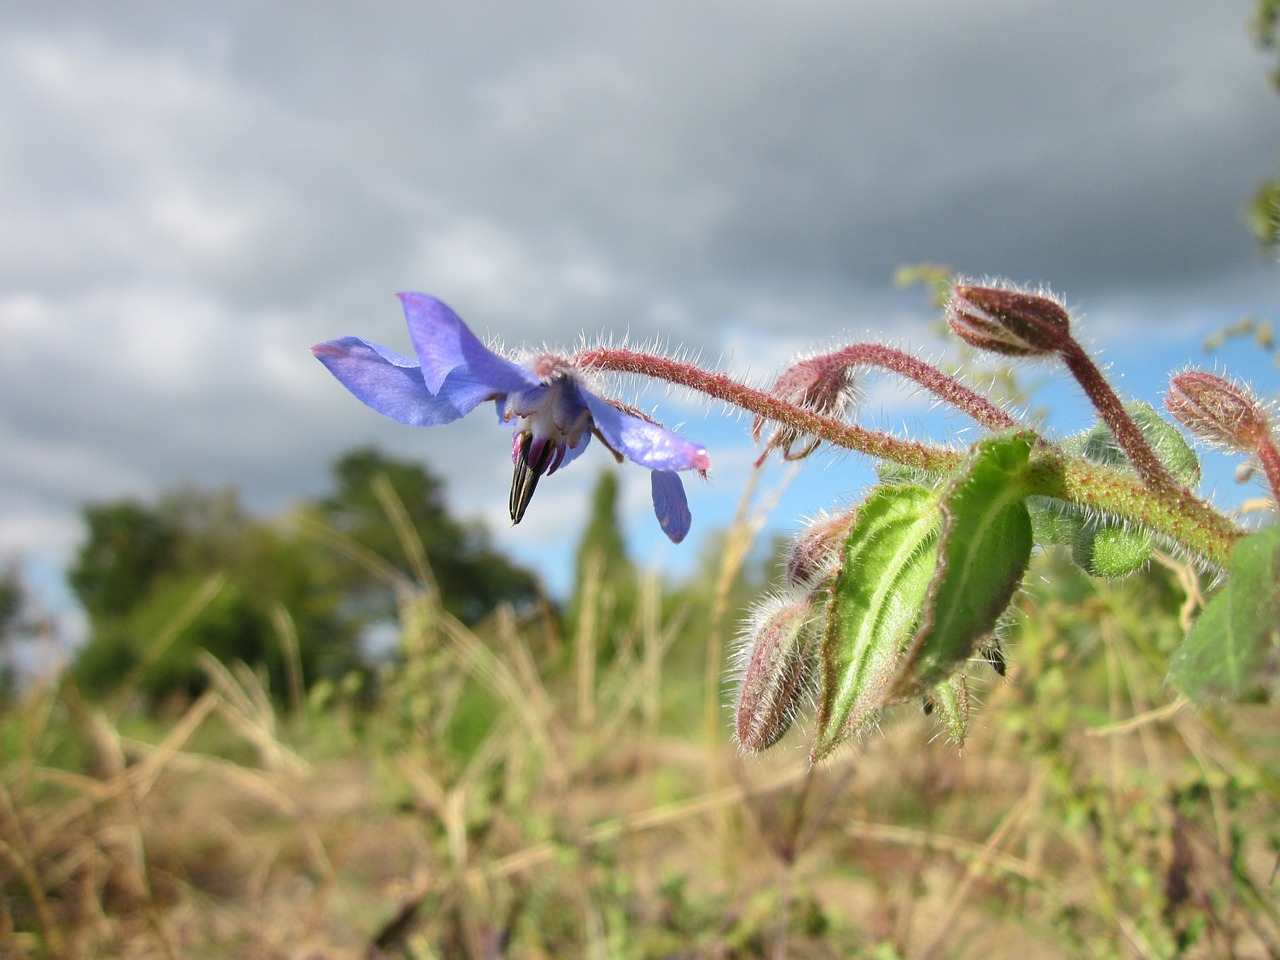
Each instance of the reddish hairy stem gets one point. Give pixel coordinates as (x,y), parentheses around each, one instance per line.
(1172,510)
(941,385)
(847,435)
(1144,460)
(1269,457)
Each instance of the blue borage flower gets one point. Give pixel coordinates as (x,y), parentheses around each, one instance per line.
(554,412)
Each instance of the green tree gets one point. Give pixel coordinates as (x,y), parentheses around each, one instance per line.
(604,575)
(10,599)
(602,543)
(13,621)
(128,546)
(193,573)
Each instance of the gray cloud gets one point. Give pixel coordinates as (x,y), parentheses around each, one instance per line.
(194,194)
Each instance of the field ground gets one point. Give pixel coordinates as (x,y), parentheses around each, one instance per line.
(507,792)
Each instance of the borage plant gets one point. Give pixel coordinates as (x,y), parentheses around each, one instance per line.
(891,601)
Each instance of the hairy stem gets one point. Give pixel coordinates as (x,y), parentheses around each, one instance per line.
(1144,460)
(941,385)
(1171,510)
(721,387)
(1269,457)
(1177,514)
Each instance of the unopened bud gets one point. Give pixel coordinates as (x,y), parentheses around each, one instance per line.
(815,552)
(777,656)
(1217,410)
(1008,322)
(823,385)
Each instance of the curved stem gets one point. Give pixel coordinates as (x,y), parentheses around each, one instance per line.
(1269,457)
(1178,514)
(721,387)
(1144,460)
(1173,511)
(943,386)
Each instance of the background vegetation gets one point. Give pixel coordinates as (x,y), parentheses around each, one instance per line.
(516,780)
(358,730)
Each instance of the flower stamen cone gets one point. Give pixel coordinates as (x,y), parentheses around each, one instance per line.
(530,465)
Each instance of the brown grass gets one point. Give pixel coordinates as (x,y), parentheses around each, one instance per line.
(500,799)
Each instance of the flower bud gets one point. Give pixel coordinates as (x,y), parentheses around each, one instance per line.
(777,655)
(1217,410)
(1008,322)
(815,552)
(822,384)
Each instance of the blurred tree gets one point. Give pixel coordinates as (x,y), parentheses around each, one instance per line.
(128,547)
(603,572)
(13,600)
(142,577)
(195,572)
(472,577)
(602,543)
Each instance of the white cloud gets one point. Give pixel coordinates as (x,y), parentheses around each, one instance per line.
(131,160)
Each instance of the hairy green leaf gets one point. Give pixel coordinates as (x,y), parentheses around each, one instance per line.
(1101,547)
(1233,651)
(874,606)
(1054,523)
(1110,550)
(1099,445)
(983,552)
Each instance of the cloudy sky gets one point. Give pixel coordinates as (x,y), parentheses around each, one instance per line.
(194,193)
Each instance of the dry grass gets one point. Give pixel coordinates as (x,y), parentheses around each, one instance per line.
(506,797)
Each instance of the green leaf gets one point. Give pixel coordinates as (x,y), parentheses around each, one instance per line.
(875,602)
(1233,651)
(983,552)
(1054,523)
(1099,444)
(1166,440)
(1111,550)
(1105,548)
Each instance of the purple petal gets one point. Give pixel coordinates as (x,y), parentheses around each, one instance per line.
(572,453)
(385,381)
(642,442)
(453,358)
(670,504)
